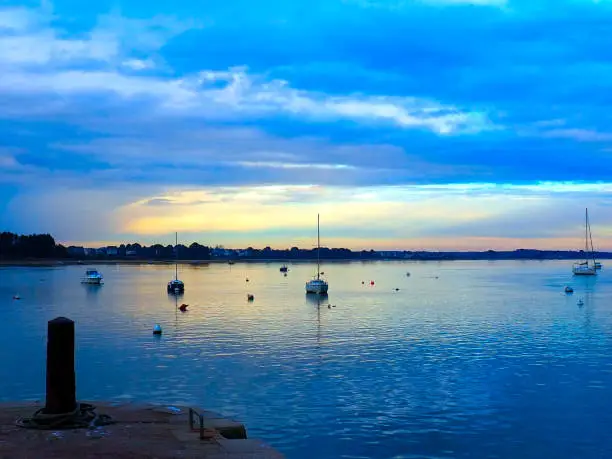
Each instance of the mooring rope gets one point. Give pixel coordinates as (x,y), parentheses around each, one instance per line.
(83,416)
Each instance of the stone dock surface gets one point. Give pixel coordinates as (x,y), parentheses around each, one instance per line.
(140,431)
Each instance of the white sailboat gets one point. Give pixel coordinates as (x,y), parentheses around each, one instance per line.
(176,286)
(588,267)
(317,285)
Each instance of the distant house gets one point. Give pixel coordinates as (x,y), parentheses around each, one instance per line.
(131,253)
(101,251)
(75,251)
(112,251)
(220,252)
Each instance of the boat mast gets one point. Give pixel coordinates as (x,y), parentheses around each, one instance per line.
(176,249)
(590,237)
(318,249)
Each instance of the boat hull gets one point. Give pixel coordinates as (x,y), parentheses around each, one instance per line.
(584,271)
(92,281)
(318,288)
(176,287)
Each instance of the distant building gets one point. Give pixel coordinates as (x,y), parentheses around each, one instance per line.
(222,253)
(75,251)
(112,250)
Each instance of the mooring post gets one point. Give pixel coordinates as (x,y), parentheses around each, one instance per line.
(61,386)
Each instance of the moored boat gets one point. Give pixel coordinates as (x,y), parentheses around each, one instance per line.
(317,285)
(92,277)
(588,267)
(176,286)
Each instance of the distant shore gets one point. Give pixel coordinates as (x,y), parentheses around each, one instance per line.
(39,262)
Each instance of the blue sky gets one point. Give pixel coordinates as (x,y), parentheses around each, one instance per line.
(416,124)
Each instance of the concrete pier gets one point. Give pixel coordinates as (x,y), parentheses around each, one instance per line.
(65,428)
(139,431)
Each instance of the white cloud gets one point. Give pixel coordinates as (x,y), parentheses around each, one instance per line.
(581,135)
(398,5)
(29,37)
(138,64)
(38,59)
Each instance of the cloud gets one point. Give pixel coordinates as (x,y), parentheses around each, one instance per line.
(92,66)
(581,135)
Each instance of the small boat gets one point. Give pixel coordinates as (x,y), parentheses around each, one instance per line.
(231,262)
(317,285)
(568,289)
(284,269)
(92,277)
(176,286)
(588,266)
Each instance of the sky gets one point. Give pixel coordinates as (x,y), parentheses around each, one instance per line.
(406,124)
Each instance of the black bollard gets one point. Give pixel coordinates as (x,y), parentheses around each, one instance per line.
(61,387)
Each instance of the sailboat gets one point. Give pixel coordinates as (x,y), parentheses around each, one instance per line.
(588,267)
(176,286)
(317,285)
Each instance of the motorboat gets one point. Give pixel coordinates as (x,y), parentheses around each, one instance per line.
(92,277)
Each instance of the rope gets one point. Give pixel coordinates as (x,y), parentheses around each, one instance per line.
(83,416)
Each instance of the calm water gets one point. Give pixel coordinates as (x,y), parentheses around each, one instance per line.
(486,360)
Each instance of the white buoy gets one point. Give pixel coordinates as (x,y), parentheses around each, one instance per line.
(157,330)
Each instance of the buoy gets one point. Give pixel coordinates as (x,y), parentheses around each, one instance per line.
(247,279)
(16,297)
(322,273)
(371,282)
(157,330)
(183,307)
(285,274)
(250,297)
(328,306)
(568,289)
(407,274)
(580,302)
(362,283)
(397,289)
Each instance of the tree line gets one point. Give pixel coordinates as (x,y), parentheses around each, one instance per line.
(43,246)
(15,246)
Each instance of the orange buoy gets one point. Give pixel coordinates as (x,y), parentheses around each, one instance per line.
(183,307)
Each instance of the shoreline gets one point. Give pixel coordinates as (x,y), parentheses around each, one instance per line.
(71,262)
